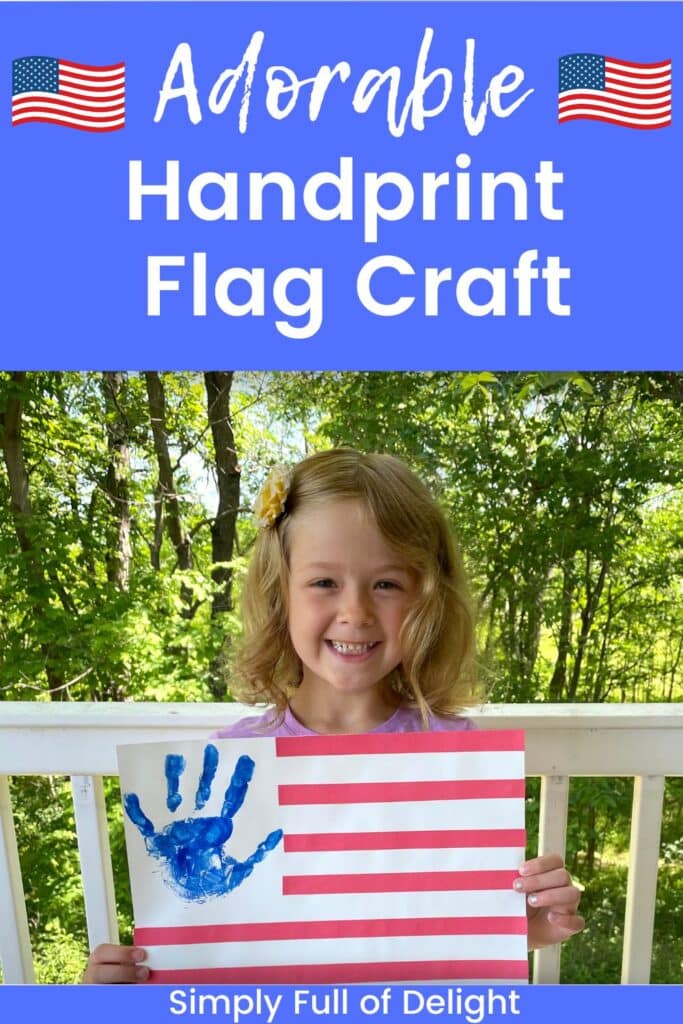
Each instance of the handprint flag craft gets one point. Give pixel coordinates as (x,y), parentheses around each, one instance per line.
(371,858)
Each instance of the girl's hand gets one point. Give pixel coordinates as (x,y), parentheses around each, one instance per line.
(116,965)
(551,900)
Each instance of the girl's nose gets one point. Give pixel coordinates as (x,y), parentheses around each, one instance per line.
(356,609)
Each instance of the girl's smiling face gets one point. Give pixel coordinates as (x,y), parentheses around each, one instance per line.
(349,592)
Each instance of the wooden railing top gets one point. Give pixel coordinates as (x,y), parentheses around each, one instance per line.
(129,714)
(562,739)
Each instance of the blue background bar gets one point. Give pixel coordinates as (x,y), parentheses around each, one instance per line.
(74,285)
(535,1004)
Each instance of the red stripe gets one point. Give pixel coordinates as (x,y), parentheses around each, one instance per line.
(636,89)
(64,124)
(661,96)
(611,120)
(632,64)
(119,93)
(89,88)
(68,106)
(620,112)
(638,84)
(612,114)
(91,67)
(59,100)
(400,743)
(327,974)
(612,100)
(283,930)
(394,792)
(618,96)
(107,82)
(441,839)
(638,81)
(83,115)
(398,881)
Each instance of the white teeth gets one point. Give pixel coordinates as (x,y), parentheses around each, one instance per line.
(351,648)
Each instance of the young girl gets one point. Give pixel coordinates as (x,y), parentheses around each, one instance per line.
(357,619)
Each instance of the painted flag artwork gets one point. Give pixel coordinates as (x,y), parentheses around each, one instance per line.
(597,88)
(88,97)
(359,859)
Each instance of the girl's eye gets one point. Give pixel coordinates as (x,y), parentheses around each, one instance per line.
(387,585)
(325,583)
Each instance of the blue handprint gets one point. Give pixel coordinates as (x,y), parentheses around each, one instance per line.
(198,867)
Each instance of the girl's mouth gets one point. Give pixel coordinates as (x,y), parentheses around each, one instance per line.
(347,650)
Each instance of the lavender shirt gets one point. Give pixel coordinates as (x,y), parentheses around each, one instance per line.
(272,724)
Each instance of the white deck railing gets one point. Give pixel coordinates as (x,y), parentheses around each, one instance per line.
(643,741)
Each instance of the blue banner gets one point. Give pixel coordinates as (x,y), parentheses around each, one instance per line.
(353,1004)
(341,185)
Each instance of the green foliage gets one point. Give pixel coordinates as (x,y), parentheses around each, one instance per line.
(594,956)
(68,630)
(44,821)
(59,957)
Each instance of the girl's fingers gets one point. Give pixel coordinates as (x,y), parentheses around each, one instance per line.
(111,965)
(564,899)
(116,974)
(570,923)
(539,865)
(110,954)
(552,900)
(551,879)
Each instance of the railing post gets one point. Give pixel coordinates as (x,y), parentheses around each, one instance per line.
(15,941)
(641,891)
(552,838)
(95,857)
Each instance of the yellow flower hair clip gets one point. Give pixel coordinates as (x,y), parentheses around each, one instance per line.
(270,503)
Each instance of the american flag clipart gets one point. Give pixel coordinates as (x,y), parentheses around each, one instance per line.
(596,88)
(396,864)
(88,97)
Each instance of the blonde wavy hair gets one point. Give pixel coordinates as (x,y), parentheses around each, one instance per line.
(436,673)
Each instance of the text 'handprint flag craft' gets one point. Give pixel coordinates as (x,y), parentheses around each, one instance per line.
(328,859)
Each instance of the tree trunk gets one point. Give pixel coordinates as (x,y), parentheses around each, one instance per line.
(588,612)
(591,842)
(218,385)
(11,414)
(117,481)
(530,626)
(599,693)
(559,677)
(673,671)
(166,494)
(13,452)
(158,535)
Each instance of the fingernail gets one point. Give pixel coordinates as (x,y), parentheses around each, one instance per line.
(518,884)
(141,973)
(533,899)
(524,869)
(138,955)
